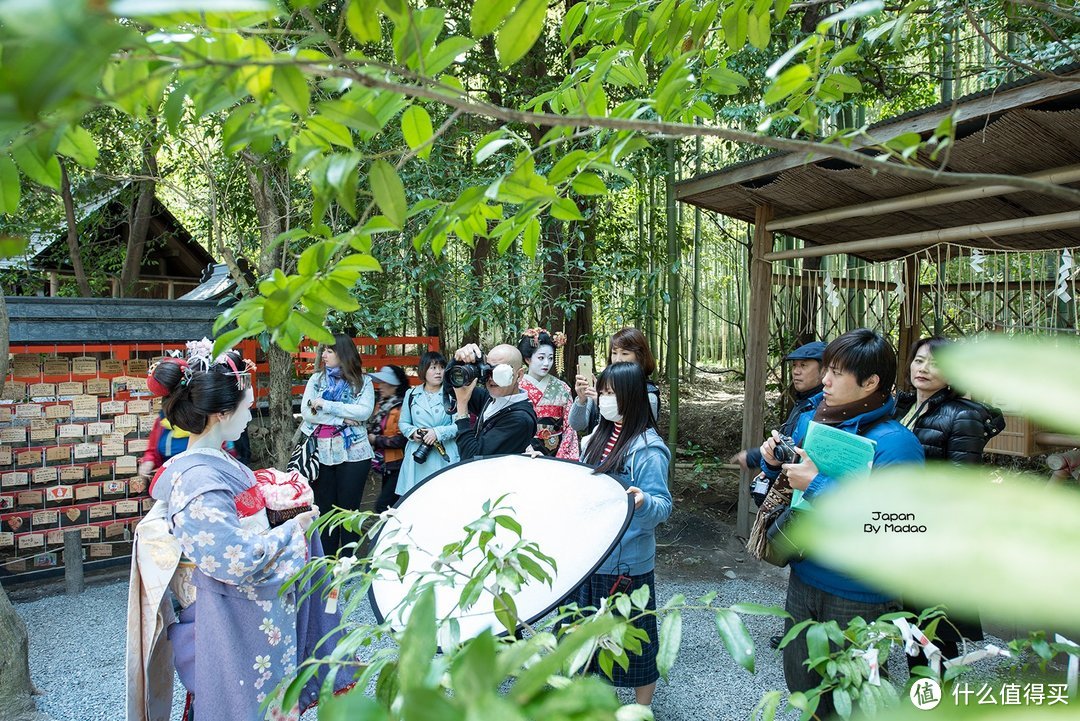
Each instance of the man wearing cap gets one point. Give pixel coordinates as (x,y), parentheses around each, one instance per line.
(806,381)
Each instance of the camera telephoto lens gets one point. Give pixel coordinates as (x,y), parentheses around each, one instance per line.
(461,375)
(420,454)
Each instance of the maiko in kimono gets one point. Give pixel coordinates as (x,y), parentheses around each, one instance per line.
(209,594)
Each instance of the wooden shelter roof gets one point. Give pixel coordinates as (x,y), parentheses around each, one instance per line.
(1029,127)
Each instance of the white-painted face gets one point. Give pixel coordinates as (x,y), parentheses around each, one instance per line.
(543,358)
(233,424)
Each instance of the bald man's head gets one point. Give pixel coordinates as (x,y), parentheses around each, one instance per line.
(511,356)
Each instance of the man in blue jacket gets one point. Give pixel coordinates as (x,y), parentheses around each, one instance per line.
(859,373)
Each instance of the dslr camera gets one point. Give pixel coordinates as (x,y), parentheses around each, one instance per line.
(784,452)
(420,455)
(459,375)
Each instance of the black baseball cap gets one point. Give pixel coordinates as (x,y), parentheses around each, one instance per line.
(810,351)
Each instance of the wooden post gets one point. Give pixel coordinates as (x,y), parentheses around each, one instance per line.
(910,319)
(757,349)
(73,563)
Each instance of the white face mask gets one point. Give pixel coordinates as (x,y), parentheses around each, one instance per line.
(609,408)
(503,375)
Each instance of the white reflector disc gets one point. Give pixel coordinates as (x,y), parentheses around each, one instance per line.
(575,516)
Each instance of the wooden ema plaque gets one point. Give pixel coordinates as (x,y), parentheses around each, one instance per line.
(56,366)
(138,366)
(84,366)
(111,368)
(58,454)
(71,388)
(58,411)
(43,391)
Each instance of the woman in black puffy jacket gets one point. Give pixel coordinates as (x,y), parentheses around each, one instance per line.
(950,428)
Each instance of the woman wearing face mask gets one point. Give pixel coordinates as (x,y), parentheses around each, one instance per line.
(384,432)
(949,428)
(626,446)
(208,546)
(627,346)
(427,425)
(549,396)
(336,403)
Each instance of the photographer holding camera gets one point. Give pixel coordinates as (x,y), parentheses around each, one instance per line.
(859,373)
(427,425)
(488,389)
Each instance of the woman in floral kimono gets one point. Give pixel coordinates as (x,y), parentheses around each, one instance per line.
(241,629)
(550,396)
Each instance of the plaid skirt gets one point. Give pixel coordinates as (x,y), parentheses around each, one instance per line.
(642,669)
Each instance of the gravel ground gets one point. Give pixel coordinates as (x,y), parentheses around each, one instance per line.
(77,653)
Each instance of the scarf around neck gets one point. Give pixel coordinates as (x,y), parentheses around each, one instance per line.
(835,415)
(336,385)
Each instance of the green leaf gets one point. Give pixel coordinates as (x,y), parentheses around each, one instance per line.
(291,86)
(757,609)
(312,327)
(363,21)
(350,114)
(530,240)
(473,670)
(1015,532)
(520,32)
(41,169)
(817,642)
(565,209)
(277,308)
(736,638)
(670,640)
(488,15)
(389,192)
(852,12)
(417,129)
(587,183)
(12,247)
(445,53)
(571,21)
(10,188)
(360,261)
(315,258)
(330,131)
(485,150)
(353,705)
(758,30)
(77,144)
(842,702)
(787,83)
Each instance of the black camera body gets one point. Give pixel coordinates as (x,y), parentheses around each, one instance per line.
(784,452)
(459,375)
(421,454)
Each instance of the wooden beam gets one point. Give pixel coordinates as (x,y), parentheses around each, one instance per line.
(757,355)
(928,199)
(910,320)
(966,110)
(1013,226)
(816,281)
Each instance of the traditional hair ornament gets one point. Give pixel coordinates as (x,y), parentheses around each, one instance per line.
(155,387)
(243,377)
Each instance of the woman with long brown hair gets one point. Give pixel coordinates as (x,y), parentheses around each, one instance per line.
(628,345)
(337,401)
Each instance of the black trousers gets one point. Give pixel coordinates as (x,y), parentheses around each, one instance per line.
(340,486)
(388,494)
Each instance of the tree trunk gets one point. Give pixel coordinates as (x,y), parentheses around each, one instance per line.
(481,251)
(556,281)
(674,257)
(16,688)
(139,220)
(73,234)
(695,300)
(280,404)
(579,327)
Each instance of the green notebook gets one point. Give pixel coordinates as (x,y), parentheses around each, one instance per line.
(836,453)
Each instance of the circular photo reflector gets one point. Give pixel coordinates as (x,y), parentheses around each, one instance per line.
(573,515)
